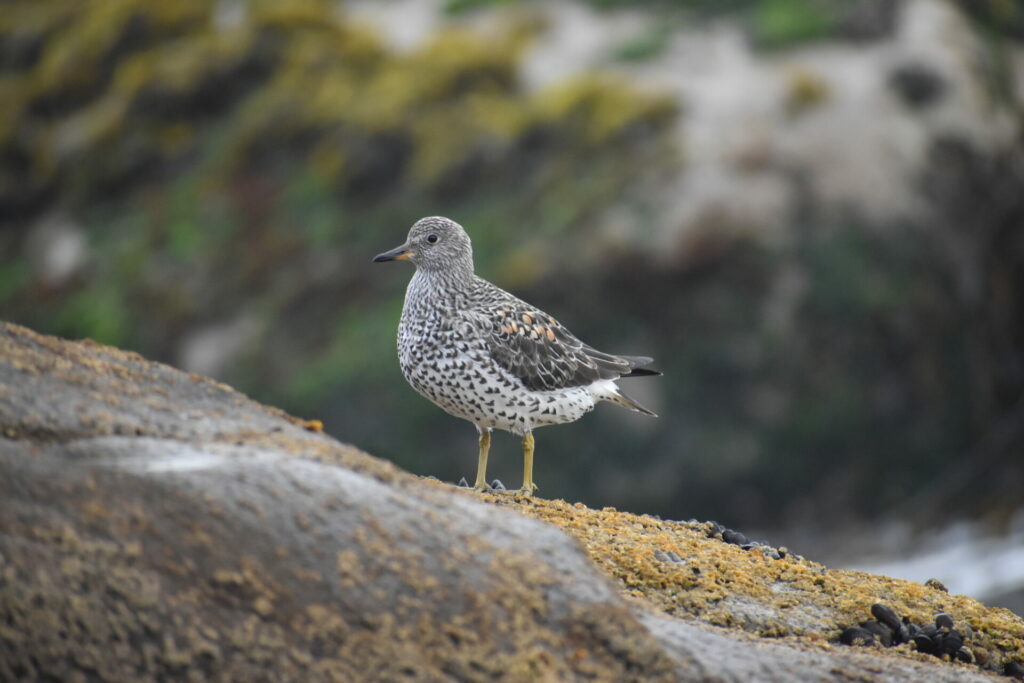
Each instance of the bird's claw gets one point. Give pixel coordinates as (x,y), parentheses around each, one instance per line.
(527,491)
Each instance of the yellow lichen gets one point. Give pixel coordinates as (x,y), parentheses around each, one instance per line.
(806,91)
(715,577)
(600,108)
(288,71)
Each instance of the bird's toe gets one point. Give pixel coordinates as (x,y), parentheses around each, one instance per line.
(527,491)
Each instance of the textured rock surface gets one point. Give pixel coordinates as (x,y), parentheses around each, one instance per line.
(157,524)
(685,569)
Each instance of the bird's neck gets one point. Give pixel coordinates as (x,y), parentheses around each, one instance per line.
(439,285)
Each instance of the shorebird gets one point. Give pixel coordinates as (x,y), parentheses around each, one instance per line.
(485,356)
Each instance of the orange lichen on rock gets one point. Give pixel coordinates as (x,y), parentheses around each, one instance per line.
(199,533)
(679,569)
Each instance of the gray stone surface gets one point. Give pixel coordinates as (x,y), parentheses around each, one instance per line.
(157,525)
(732,656)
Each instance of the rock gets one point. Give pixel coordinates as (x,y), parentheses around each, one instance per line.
(718,654)
(159,525)
(156,524)
(734,537)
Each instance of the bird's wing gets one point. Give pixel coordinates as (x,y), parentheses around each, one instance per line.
(543,354)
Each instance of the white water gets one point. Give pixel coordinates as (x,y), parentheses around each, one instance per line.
(966,557)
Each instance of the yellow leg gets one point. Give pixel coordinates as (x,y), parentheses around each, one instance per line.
(481,463)
(528,486)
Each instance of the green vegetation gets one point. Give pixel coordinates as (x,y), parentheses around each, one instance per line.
(779,24)
(771,23)
(647,46)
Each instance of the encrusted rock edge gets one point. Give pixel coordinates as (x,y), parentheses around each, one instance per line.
(156,524)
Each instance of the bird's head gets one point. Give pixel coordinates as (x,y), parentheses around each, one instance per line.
(434,243)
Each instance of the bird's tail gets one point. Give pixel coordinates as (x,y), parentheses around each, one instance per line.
(619,398)
(637,366)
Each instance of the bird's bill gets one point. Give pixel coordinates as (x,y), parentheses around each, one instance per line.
(401,253)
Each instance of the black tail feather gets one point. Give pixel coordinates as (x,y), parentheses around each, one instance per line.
(644,372)
(636,366)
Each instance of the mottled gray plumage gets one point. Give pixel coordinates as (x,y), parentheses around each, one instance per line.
(488,357)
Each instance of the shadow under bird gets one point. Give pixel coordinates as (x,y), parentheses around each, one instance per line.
(486,356)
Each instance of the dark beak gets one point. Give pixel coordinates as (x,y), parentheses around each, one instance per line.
(401,253)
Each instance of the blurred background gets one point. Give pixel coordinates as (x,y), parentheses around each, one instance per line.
(811,212)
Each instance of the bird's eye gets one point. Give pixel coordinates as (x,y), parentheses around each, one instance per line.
(431,238)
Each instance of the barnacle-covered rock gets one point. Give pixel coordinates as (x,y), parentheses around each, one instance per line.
(159,524)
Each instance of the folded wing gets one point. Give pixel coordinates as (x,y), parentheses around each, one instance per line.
(545,356)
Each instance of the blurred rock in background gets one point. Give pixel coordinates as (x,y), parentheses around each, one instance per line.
(810,212)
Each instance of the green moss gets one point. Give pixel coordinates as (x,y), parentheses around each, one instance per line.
(779,23)
(132,86)
(11,87)
(308,203)
(1002,17)
(646,46)
(14,278)
(348,360)
(177,68)
(186,234)
(98,312)
(773,24)
(852,279)
(461,6)
(75,60)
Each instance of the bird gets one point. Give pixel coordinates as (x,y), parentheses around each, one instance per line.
(486,356)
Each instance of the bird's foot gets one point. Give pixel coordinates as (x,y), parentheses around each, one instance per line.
(527,491)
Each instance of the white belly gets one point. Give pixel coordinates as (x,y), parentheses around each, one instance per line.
(492,398)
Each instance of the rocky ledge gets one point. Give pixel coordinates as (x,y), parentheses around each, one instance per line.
(157,524)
